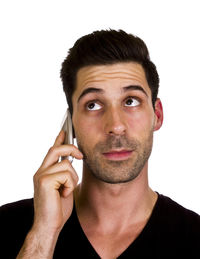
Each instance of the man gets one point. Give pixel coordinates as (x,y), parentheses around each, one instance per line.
(111,87)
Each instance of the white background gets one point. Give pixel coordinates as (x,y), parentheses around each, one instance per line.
(35,37)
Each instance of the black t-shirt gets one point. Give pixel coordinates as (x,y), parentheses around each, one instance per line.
(171,232)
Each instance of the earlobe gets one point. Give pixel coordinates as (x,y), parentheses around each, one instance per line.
(158,115)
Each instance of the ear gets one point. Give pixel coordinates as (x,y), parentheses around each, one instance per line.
(158,115)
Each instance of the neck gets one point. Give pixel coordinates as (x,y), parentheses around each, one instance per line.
(102,202)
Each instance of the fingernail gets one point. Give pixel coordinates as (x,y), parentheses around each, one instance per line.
(80,155)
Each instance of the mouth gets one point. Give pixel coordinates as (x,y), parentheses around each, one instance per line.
(118,155)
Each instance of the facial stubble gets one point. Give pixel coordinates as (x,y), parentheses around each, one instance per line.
(115,172)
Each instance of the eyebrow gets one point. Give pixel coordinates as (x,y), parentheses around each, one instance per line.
(101,91)
(90,90)
(134,87)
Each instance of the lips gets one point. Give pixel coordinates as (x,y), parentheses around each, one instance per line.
(118,155)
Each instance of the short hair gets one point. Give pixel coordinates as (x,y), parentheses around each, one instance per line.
(107,47)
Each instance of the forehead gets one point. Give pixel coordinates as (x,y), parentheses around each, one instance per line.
(119,74)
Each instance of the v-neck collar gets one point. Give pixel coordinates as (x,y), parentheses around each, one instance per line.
(143,234)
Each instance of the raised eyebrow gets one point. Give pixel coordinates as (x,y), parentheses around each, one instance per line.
(135,87)
(90,90)
(99,90)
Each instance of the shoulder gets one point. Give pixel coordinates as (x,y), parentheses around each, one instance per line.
(16,219)
(173,210)
(17,208)
(176,228)
(17,214)
(17,204)
(179,222)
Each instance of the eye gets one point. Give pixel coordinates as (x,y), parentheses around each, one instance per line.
(93,106)
(132,102)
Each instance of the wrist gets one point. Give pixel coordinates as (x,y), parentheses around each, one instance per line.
(39,244)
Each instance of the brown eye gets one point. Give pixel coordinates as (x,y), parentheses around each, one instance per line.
(92,106)
(131,102)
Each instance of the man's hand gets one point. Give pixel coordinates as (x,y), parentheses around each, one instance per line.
(54,184)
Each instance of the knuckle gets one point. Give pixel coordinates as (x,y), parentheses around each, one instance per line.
(66,163)
(42,180)
(35,177)
(72,145)
(76,178)
(52,150)
(70,178)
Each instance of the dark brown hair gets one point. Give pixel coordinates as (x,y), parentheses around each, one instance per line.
(107,47)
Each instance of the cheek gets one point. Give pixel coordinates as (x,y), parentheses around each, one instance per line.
(86,131)
(140,123)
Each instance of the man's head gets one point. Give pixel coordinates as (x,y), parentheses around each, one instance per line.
(113,93)
(107,47)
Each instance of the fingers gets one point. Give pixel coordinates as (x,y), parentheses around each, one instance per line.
(58,141)
(60,138)
(57,167)
(63,166)
(54,183)
(58,150)
(50,165)
(55,152)
(59,178)
(58,175)
(63,181)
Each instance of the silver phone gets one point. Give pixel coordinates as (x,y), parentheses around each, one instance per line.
(67,127)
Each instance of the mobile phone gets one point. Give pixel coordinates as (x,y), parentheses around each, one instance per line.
(68,128)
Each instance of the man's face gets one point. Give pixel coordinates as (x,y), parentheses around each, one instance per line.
(114,120)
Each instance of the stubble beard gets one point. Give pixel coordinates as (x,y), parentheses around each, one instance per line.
(115,172)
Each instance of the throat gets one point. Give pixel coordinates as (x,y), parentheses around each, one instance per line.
(111,239)
(111,226)
(114,213)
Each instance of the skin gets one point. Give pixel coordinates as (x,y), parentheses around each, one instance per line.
(113,201)
(102,204)
(112,120)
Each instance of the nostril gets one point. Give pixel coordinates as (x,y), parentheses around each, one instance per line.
(117,130)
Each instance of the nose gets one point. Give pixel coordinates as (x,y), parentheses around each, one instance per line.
(114,123)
